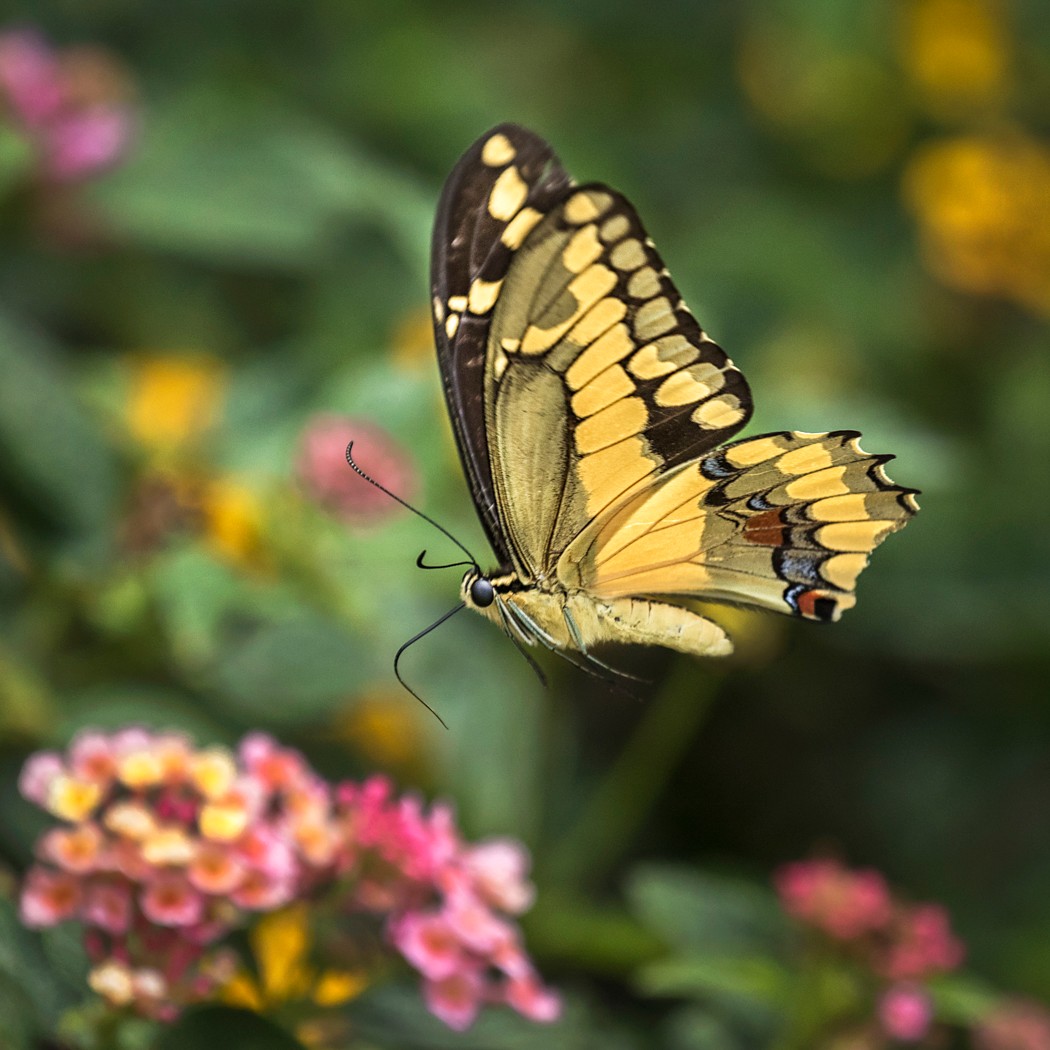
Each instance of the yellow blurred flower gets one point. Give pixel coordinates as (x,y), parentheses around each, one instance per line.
(233,522)
(412,342)
(281,944)
(956,52)
(983,208)
(385,728)
(173,398)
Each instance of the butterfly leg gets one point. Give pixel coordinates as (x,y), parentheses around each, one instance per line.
(578,640)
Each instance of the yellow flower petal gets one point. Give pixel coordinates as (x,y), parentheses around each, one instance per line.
(241,990)
(335,987)
(73,799)
(212,772)
(280,942)
(173,398)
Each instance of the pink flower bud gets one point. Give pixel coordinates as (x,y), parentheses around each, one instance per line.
(327,478)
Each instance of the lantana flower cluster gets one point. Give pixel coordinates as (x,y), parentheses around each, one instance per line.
(72,105)
(165,848)
(901,944)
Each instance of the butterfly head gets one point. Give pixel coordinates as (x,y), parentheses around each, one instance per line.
(486,594)
(477,590)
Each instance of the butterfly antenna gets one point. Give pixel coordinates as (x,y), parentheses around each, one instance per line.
(408,506)
(415,638)
(451,565)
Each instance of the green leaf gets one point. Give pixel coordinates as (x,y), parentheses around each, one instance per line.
(226,1027)
(17,1015)
(253,181)
(16,158)
(962,999)
(293,671)
(706,913)
(47,969)
(574,929)
(754,978)
(52,457)
(697,1028)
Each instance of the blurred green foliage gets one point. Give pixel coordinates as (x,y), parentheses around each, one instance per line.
(272,220)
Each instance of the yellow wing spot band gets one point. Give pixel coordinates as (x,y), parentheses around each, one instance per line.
(606,387)
(610,472)
(451,325)
(815,486)
(586,206)
(853,535)
(804,460)
(497,151)
(653,319)
(748,453)
(508,195)
(583,249)
(457,303)
(628,255)
(483,295)
(644,283)
(515,232)
(687,386)
(611,425)
(719,412)
(842,570)
(852,507)
(612,346)
(615,228)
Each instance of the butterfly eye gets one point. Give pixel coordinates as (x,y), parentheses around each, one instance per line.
(482,592)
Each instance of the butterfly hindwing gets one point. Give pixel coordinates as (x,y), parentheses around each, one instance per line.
(782,521)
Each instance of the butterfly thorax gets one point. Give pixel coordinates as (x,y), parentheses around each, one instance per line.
(533,611)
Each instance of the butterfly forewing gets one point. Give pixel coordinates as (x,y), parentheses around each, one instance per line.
(591,347)
(504,179)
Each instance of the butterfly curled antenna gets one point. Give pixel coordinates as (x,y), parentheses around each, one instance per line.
(408,506)
(472,564)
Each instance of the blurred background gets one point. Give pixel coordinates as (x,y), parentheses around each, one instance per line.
(215,270)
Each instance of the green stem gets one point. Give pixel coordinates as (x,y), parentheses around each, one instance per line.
(611,817)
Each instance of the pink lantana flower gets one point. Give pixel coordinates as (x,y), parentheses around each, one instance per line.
(499,868)
(327,479)
(905,1013)
(429,943)
(923,944)
(844,904)
(1014,1025)
(170,900)
(38,775)
(49,897)
(166,848)
(455,999)
(72,105)
(526,995)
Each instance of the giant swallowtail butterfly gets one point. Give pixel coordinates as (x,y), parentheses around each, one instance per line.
(592,415)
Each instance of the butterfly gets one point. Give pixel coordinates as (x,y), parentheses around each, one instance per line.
(593,417)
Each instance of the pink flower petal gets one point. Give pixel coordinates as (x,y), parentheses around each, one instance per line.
(455,999)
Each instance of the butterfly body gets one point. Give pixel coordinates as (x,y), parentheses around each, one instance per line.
(593,418)
(575,621)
